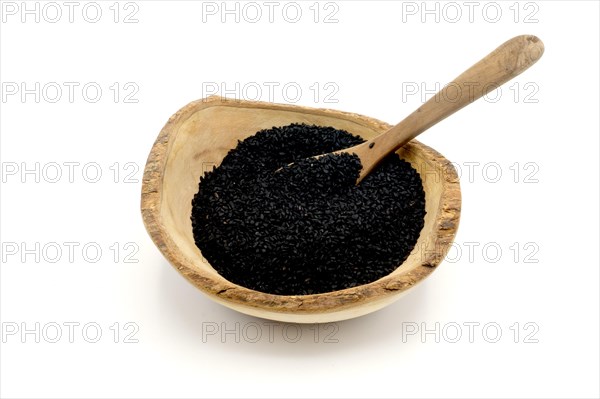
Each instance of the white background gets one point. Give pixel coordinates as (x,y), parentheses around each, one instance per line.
(544,219)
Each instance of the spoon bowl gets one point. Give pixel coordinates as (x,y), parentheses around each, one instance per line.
(198,136)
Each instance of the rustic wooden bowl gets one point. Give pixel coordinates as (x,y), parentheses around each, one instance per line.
(199,136)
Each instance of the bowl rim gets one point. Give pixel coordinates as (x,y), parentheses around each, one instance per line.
(445,228)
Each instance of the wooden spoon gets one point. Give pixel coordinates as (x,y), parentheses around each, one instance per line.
(497,68)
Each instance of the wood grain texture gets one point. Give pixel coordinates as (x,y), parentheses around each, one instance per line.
(200,134)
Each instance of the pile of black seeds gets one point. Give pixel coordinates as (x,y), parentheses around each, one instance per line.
(307,228)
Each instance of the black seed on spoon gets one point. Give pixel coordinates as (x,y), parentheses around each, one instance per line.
(308,228)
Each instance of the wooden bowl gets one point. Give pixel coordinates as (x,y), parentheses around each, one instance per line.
(199,136)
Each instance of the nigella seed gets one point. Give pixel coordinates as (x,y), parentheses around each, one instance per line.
(307,228)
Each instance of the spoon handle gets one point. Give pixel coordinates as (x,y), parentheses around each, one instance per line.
(497,68)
